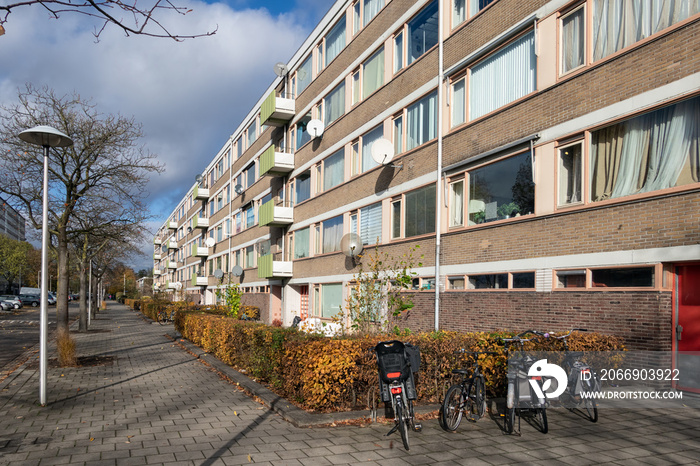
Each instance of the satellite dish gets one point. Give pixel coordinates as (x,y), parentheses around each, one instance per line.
(198,179)
(219,274)
(351,244)
(237,271)
(280,69)
(315,128)
(189,230)
(382,151)
(210,242)
(238,188)
(164,248)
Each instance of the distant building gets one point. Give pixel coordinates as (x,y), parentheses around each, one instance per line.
(11,222)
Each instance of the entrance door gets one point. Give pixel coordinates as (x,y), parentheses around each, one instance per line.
(688,327)
(304,301)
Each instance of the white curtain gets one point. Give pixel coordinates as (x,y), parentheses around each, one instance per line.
(333,170)
(458,102)
(646,153)
(373,74)
(334,104)
(335,41)
(421,121)
(457,203)
(620,23)
(371,224)
(573,40)
(505,76)
(371,8)
(332,232)
(459,12)
(367,140)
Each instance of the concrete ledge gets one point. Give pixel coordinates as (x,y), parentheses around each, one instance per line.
(291,413)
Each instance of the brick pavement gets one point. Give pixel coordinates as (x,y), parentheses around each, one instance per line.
(151,402)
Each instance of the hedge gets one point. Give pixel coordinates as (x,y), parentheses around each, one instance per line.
(336,374)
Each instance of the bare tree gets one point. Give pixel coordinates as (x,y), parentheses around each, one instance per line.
(139,18)
(104,162)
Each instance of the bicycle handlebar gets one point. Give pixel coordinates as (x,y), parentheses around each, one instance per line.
(567,335)
(464,351)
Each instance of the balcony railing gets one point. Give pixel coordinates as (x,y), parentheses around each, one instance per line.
(172,225)
(157,256)
(268,267)
(172,244)
(200,193)
(276,162)
(276,111)
(200,251)
(157,241)
(275,215)
(199,281)
(170,264)
(200,222)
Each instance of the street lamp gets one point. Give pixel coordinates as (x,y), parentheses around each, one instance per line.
(46,137)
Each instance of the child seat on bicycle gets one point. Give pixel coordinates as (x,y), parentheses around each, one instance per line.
(397,361)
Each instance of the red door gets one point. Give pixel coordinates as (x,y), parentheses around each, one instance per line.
(304,302)
(687,334)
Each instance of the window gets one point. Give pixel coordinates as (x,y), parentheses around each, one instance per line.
(459,102)
(503,77)
(420,211)
(370,224)
(488,281)
(459,9)
(455,283)
(328,300)
(366,148)
(613,277)
(303,75)
(252,133)
(423,32)
(356,97)
(334,170)
(398,134)
(302,135)
(617,25)
(334,104)
(501,190)
(653,151)
(456,203)
(335,41)
(302,187)
(373,73)
(396,218)
(364,11)
(421,121)
(398,52)
(250,257)
(250,175)
(573,40)
(493,281)
(332,233)
(219,233)
(301,243)
(523,280)
(570,170)
(249,215)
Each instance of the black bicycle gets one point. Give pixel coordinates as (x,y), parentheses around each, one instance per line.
(466,398)
(165,318)
(397,362)
(582,380)
(521,398)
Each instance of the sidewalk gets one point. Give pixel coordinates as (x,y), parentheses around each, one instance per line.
(145,399)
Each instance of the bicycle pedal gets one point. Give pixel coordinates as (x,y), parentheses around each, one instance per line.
(417,427)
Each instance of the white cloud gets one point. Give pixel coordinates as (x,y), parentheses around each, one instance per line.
(190,96)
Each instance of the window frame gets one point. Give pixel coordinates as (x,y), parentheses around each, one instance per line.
(587,272)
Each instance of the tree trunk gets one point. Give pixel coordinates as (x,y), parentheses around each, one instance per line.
(62,287)
(83,297)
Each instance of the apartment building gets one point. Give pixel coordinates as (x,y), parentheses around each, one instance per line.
(543,154)
(12,223)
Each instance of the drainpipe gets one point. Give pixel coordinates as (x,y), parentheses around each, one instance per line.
(438,193)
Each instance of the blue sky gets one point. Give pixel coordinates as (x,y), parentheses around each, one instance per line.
(190,96)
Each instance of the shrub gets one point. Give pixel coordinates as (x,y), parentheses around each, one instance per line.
(65,346)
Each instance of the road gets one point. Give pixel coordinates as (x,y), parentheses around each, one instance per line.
(19,331)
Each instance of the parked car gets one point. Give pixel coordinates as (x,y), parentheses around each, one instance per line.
(33,300)
(14,299)
(52,298)
(5,305)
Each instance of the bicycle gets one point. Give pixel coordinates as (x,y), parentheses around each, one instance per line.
(396,364)
(521,397)
(466,397)
(581,379)
(165,318)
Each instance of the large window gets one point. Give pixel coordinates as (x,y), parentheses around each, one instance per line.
(334,170)
(368,140)
(501,190)
(653,151)
(328,300)
(335,41)
(423,32)
(573,40)
(369,224)
(303,76)
(618,24)
(461,7)
(250,175)
(302,187)
(332,233)
(570,174)
(302,136)
(373,73)
(414,213)
(334,104)
(421,121)
(364,11)
(503,77)
(301,243)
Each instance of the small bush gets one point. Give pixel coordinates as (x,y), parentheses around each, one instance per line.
(65,346)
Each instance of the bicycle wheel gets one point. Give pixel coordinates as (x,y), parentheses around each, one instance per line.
(541,419)
(403,422)
(589,403)
(509,421)
(480,397)
(452,408)
(162,318)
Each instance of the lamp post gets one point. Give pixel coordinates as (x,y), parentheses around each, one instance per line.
(46,137)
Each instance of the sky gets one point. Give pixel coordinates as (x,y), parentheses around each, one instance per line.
(189,96)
